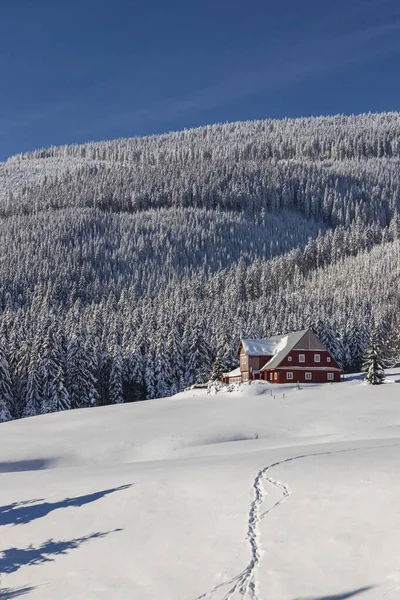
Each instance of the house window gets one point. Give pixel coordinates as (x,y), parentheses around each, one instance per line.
(331,376)
(271,376)
(245,376)
(243,358)
(275,375)
(317,358)
(308,376)
(289,358)
(302,358)
(289,375)
(328,359)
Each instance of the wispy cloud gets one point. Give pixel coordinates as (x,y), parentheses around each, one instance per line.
(272,66)
(271,69)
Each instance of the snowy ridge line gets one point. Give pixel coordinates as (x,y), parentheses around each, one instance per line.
(246,582)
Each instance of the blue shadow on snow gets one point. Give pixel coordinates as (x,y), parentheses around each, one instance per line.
(342,596)
(20,513)
(13,559)
(10,593)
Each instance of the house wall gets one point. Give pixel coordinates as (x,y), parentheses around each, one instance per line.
(309,359)
(299,376)
(244,360)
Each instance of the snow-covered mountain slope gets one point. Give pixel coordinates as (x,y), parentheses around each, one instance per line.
(135,266)
(239,495)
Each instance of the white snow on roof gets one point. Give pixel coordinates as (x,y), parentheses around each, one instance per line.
(234,373)
(264,347)
(291,340)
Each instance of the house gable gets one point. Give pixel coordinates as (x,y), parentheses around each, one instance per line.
(309,341)
(303,342)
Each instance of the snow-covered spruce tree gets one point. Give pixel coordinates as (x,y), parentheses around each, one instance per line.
(59,396)
(81,380)
(5,389)
(52,372)
(115,391)
(149,378)
(373,368)
(34,387)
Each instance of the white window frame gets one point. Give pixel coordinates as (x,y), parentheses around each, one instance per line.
(245,376)
(317,358)
(289,374)
(271,376)
(328,359)
(302,358)
(330,376)
(289,358)
(275,376)
(308,376)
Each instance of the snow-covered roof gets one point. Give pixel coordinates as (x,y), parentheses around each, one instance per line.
(277,347)
(264,347)
(234,373)
(291,340)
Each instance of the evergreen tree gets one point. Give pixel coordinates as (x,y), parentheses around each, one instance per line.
(81,380)
(116,394)
(149,376)
(373,366)
(58,394)
(6,399)
(34,396)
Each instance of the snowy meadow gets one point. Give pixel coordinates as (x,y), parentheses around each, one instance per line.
(266,492)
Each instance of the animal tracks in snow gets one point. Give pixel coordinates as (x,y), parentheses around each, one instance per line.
(245,586)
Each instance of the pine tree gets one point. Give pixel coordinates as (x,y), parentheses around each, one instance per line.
(149,377)
(58,393)
(116,394)
(81,380)
(5,389)
(34,395)
(372,366)
(51,371)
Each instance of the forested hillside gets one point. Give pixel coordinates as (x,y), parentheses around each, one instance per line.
(129,269)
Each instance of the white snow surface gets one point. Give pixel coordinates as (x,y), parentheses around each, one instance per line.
(259,347)
(265,493)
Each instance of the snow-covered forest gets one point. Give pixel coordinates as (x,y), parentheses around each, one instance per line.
(129,269)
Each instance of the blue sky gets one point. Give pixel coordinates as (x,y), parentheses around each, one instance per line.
(99,69)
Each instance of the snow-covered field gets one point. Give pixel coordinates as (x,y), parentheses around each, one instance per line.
(237,495)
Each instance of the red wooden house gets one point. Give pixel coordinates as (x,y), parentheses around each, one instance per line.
(297,357)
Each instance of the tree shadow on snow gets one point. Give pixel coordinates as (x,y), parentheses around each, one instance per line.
(20,513)
(13,559)
(35,464)
(353,378)
(342,596)
(10,593)
(361,377)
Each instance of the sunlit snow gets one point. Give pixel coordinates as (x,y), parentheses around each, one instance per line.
(261,493)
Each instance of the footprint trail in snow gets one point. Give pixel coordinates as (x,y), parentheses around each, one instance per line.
(245,585)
